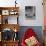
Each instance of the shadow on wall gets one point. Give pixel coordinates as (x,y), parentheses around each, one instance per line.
(37,29)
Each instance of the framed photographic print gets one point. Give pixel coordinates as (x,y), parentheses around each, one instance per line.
(30,12)
(13,12)
(5,12)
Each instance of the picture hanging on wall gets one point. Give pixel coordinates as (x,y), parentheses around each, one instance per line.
(30,12)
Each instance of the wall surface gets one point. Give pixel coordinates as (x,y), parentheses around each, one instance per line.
(22,3)
(39,13)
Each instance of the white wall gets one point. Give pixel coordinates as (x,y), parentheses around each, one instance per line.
(22,3)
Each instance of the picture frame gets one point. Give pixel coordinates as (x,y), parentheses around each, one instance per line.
(13,12)
(5,12)
(30,12)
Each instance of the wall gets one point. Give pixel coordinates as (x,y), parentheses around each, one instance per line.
(39,13)
(22,21)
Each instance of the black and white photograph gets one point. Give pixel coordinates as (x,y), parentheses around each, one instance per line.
(30,12)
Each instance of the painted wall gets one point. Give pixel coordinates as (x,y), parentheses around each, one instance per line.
(22,3)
